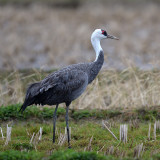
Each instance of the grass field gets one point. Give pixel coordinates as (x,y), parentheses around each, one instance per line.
(38,34)
(128,97)
(87,134)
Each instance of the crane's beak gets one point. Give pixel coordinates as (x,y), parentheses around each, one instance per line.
(112,37)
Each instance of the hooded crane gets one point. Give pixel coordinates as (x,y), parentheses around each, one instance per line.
(67,84)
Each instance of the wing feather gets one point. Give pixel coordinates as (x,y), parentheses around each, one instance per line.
(66,80)
(58,87)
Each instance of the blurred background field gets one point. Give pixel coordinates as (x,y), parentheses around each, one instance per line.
(48,34)
(38,37)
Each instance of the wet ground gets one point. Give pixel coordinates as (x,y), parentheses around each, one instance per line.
(46,37)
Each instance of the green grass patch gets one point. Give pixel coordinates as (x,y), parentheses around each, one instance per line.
(81,133)
(17,155)
(11,112)
(61,155)
(72,155)
(23,146)
(148,115)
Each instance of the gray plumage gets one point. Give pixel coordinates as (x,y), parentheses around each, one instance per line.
(63,86)
(67,84)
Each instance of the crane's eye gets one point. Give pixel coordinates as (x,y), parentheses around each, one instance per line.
(104,32)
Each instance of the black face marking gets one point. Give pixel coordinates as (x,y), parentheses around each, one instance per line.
(104,33)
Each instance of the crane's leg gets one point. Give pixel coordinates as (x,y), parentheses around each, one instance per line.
(67,125)
(54,122)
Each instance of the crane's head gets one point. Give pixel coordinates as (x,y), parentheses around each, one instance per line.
(102,34)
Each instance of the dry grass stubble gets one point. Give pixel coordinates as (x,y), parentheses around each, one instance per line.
(128,89)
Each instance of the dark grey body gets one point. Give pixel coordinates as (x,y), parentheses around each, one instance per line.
(63,86)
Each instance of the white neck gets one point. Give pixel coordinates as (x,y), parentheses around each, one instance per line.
(97,46)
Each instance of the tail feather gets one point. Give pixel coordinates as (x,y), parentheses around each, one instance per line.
(23,107)
(30,96)
(25,104)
